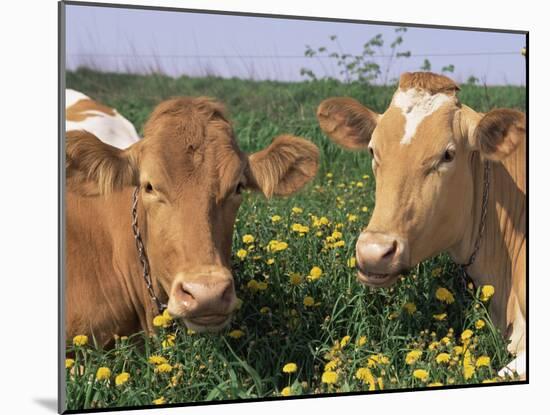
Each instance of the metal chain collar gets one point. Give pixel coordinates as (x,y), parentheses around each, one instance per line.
(482,221)
(143,255)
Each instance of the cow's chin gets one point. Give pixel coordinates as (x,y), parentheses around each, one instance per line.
(207,324)
(377,280)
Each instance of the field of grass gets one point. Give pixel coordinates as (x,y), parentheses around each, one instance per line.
(300,301)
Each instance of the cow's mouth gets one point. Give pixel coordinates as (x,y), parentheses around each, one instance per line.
(209,323)
(376,280)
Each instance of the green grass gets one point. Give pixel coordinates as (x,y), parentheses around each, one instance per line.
(213,367)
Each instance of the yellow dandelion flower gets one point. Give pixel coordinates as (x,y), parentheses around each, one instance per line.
(413,356)
(265,310)
(483,361)
(468,365)
(380,383)
(466,335)
(421,374)
(161,321)
(295,278)
(480,324)
(487,291)
(164,368)
(157,360)
(345,340)
(69,363)
(362,341)
(169,341)
(248,239)
(458,350)
(309,301)
(434,384)
(364,374)
(252,285)
(290,368)
(410,308)
(443,358)
(365,209)
(444,295)
(80,340)
(445,340)
(332,365)
(241,254)
(359,184)
(329,377)
(276,246)
(297,210)
(159,401)
(236,334)
(287,391)
(270,261)
(352,218)
(103,373)
(262,286)
(366,177)
(275,218)
(315,273)
(351,262)
(433,346)
(122,378)
(337,235)
(440,317)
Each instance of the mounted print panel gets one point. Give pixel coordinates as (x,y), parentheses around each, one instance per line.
(260,207)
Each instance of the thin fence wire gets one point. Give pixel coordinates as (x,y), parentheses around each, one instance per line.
(178,56)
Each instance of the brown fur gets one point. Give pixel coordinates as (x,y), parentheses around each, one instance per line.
(431,82)
(188,167)
(347,122)
(500,132)
(285,166)
(80,110)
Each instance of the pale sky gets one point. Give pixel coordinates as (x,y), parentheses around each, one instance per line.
(181,43)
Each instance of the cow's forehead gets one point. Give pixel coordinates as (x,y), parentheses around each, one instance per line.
(410,111)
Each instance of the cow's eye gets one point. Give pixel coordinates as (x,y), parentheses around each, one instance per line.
(148,188)
(239,188)
(448,156)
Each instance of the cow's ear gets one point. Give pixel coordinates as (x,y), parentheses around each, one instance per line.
(347,122)
(284,167)
(89,162)
(499,132)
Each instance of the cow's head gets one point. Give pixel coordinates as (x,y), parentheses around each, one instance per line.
(424,156)
(191,173)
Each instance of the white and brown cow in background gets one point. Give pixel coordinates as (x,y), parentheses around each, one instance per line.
(83,113)
(428,152)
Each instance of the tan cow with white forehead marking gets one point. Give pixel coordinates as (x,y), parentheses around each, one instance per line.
(428,152)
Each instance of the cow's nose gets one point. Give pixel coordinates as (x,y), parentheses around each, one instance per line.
(205,297)
(379,253)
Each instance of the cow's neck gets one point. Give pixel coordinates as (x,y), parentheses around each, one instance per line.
(128,263)
(504,234)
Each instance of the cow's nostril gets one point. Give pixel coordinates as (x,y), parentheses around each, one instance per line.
(227,295)
(185,295)
(391,250)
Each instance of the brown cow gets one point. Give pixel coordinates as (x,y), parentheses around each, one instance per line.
(190,173)
(428,156)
